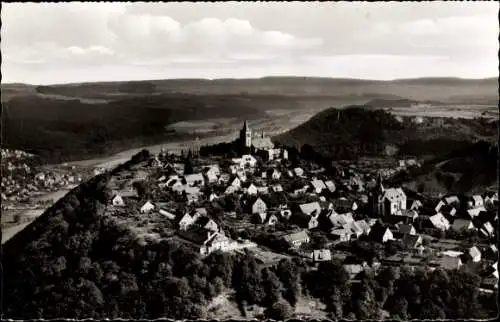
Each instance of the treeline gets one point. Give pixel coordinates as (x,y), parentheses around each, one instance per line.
(61,130)
(360,131)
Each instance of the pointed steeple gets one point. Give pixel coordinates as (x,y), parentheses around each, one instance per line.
(245,125)
(380,186)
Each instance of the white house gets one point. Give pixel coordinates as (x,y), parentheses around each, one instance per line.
(147,207)
(330,185)
(390,201)
(310,209)
(439,221)
(299,172)
(248,160)
(259,206)
(477,201)
(195,179)
(276,175)
(213,197)
(251,190)
(117,201)
(297,239)
(277,188)
(475,254)
(318,185)
(236,183)
(167,214)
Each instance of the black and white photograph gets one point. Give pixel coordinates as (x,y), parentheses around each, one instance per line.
(249,160)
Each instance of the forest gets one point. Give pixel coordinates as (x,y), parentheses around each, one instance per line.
(76,262)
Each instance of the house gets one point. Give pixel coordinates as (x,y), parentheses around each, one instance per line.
(321,255)
(439,221)
(207,241)
(440,204)
(304,221)
(487,229)
(339,220)
(412,241)
(213,197)
(354,228)
(248,160)
(265,218)
(236,183)
(414,204)
(448,210)
(380,234)
(117,201)
(452,200)
(207,223)
(477,201)
(495,267)
(330,185)
(186,221)
(263,190)
(474,212)
(296,239)
(192,194)
(345,203)
(259,206)
(276,175)
(449,263)
(318,185)
(341,234)
(224,178)
(212,174)
(169,215)
(475,254)
(405,229)
(234,168)
(408,215)
(277,188)
(299,172)
(462,224)
(147,207)
(310,209)
(241,175)
(364,226)
(251,190)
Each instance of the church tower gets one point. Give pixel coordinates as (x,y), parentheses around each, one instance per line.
(376,196)
(246,135)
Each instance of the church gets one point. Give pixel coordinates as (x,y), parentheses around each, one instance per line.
(387,201)
(262,145)
(258,143)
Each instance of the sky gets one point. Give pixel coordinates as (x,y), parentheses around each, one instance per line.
(85,42)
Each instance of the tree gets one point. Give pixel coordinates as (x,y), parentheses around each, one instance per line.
(188,164)
(280,310)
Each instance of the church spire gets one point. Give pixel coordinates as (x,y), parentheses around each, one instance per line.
(380,186)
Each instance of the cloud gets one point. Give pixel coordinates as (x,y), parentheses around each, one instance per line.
(247,39)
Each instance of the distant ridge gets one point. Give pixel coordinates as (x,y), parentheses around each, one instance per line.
(282,78)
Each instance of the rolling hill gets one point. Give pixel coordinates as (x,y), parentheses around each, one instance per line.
(415,89)
(364,131)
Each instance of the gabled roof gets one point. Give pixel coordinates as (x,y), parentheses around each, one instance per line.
(262,143)
(411,240)
(330,185)
(378,231)
(459,224)
(477,199)
(301,235)
(394,194)
(451,199)
(404,228)
(439,220)
(318,184)
(474,251)
(194,177)
(309,208)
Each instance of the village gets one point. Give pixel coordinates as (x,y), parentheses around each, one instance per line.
(29,187)
(261,203)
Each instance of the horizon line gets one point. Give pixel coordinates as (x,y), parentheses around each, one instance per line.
(261,77)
